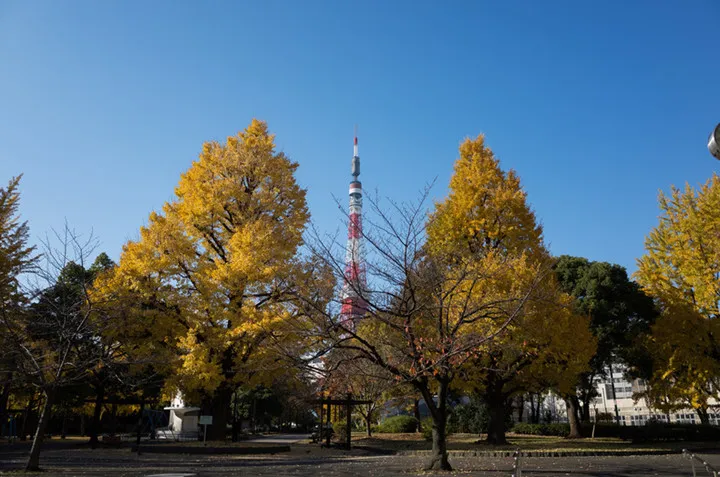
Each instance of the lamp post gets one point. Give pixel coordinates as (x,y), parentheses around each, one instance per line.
(714,142)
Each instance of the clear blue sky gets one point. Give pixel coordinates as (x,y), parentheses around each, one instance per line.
(597,105)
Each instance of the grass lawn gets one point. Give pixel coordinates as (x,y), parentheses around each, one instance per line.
(464,442)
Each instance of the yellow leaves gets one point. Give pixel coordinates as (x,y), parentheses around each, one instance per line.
(681,271)
(682,261)
(207,268)
(486,236)
(486,209)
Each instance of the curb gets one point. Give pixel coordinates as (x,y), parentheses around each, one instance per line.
(165,449)
(510,453)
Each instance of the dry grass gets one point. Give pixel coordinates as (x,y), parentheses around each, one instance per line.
(404,442)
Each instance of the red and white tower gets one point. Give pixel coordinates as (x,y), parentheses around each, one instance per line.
(354,305)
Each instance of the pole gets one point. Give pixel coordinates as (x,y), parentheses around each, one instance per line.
(612,384)
(139,434)
(348,421)
(205,435)
(328,434)
(320,426)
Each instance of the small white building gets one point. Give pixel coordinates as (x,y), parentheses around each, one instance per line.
(183,423)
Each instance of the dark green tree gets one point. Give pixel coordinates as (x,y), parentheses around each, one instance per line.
(619,310)
(16,258)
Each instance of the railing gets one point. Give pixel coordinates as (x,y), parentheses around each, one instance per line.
(517,464)
(693,458)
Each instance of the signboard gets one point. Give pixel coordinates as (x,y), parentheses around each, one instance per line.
(206,420)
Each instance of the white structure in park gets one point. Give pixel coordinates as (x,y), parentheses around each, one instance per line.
(183,421)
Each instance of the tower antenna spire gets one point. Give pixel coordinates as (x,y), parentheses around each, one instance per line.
(354,305)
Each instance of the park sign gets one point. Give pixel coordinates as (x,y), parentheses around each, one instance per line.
(205,420)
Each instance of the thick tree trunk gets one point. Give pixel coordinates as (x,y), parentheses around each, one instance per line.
(97,412)
(572,404)
(438,412)
(496,402)
(219,410)
(496,426)
(439,459)
(33,463)
(703,415)
(368,424)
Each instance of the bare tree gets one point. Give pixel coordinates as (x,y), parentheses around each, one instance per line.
(426,314)
(51,337)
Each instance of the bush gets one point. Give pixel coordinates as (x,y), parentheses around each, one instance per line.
(427,425)
(472,417)
(340,429)
(555,429)
(397,424)
(653,432)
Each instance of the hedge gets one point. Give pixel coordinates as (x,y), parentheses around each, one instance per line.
(647,433)
(555,429)
(397,424)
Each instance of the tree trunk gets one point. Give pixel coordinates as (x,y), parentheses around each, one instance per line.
(97,412)
(496,426)
(703,415)
(416,412)
(4,397)
(33,463)
(520,407)
(497,408)
(572,404)
(585,411)
(219,407)
(26,417)
(368,424)
(535,400)
(438,412)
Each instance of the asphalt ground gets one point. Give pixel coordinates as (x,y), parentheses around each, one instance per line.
(304,461)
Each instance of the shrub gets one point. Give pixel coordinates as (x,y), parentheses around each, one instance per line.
(554,429)
(472,417)
(340,429)
(397,424)
(427,425)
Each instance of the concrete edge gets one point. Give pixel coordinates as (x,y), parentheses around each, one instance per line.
(511,453)
(172,449)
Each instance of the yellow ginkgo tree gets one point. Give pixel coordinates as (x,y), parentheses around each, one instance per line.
(486,221)
(213,269)
(681,271)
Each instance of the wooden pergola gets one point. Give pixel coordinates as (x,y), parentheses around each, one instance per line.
(348,403)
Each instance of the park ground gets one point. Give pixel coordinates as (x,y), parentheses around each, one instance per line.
(397,455)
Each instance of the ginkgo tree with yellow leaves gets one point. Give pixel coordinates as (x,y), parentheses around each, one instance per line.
(486,220)
(213,267)
(681,271)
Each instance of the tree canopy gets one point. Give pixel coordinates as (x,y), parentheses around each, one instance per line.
(217,262)
(681,271)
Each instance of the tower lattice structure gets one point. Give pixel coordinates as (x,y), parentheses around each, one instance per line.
(354,306)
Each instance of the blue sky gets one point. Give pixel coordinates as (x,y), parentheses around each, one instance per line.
(597,105)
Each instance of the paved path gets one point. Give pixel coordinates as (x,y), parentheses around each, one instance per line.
(302,462)
(283,439)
